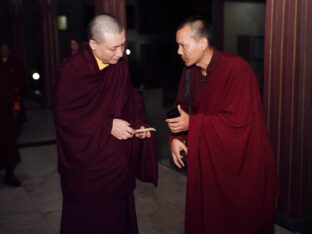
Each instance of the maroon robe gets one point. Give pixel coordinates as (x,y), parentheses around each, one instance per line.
(231,177)
(10,78)
(97,170)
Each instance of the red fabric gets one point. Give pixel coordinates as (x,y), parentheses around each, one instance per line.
(95,221)
(232,181)
(96,167)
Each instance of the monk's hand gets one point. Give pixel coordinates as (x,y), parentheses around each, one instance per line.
(179,124)
(121,129)
(176,147)
(143,135)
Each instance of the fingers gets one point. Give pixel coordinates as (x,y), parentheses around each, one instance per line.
(178,124)
(143,135)
(148,134)
(180,110)
(184,148)
(125,135)
(176,127)
(177,160)
(176,147)
(121,129)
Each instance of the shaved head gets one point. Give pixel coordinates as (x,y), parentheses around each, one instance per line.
(107,38)
(200,28)
(102,25)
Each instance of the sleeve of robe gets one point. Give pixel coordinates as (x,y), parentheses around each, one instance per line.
(184,105)
(227,127)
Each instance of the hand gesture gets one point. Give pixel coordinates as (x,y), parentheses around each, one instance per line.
(176,147)
(121,129)
(179,124)
(142,135)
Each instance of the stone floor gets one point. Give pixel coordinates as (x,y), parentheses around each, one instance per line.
(35,207)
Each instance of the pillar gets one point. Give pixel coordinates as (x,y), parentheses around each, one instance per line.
(49,47)
(288,105)
(17,26)
(114,7)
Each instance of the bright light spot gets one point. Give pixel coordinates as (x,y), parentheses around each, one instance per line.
(36,76)
(62,22)
(37,92)
(128,51)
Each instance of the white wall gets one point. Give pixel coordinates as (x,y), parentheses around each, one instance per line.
(242,19)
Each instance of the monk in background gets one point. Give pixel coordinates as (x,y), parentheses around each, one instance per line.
(100,152)
(74,46)
(231,176)
(10,126)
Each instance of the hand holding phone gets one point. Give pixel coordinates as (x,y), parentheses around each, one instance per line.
(173,113)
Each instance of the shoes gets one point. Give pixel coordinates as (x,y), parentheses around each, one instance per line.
(11,180)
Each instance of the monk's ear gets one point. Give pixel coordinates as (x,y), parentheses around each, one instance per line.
(92,44)
(203,43)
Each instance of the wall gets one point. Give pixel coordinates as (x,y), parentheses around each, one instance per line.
(242,19)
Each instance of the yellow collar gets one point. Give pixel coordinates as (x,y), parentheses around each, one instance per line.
(100,63)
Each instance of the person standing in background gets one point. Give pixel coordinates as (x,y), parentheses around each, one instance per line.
(10,80)
(74,46)
(231,176)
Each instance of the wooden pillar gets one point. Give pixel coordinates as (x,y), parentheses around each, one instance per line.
(217,21)
(17,26)
(114,7)
(288,104)
(49,47)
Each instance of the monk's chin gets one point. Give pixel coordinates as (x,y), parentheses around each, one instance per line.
(187,64)
(114,61)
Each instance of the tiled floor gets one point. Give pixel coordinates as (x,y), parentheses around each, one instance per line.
(35,207)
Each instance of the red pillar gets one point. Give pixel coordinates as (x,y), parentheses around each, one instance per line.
(49,47)
(114,7)
(288,104)
(17,15)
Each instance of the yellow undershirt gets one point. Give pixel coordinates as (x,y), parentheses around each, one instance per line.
(100,63)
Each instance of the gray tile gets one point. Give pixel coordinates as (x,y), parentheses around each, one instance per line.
(155,215)
(26,223)
(14,201)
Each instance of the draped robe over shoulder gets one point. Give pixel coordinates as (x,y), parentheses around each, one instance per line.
(231,178)
(97,170)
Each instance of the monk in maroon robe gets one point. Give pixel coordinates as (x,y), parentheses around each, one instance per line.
(10,82)
(97,112)
(231,177)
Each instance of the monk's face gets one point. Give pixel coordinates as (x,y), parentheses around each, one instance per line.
(190,49)
(74,46)
(111,49)
(4,51)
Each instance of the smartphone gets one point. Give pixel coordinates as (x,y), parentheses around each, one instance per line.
(173,113)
